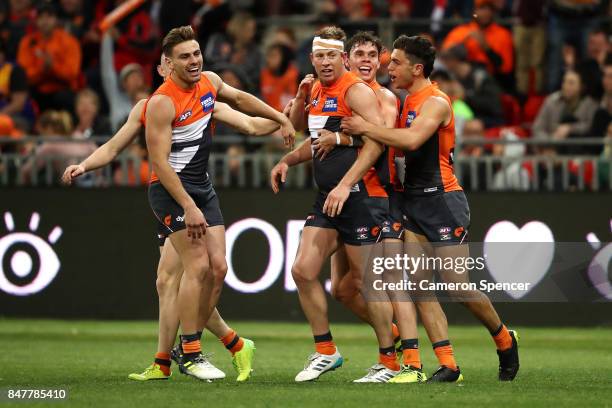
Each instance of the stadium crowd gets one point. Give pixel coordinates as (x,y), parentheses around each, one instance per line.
(514,68)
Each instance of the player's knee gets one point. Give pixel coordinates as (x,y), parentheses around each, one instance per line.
(165,281)
(301,274)
(219,269)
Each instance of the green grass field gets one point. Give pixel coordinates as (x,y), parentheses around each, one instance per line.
(559,367)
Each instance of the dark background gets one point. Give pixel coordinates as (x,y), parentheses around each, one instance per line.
(109,252)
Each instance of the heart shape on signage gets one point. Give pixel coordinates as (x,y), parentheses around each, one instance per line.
(519,255)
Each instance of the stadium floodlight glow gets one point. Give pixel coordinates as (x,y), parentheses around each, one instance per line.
(28,264)
(275,260)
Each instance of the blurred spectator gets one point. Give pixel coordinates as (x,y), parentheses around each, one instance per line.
(14,96)
(279,77)
(135,37)
(473,172)
(591,67)
(89,122)
(456,93)
(510,174)
(530,45)
(399,9)
(76,16)
(482,93)
(134,169)
(605,160)
(355,10)
(284,36)
(486,43)
(235,156)
(569,23)
(211,18)
(56,154)
(237,46)
(565,113)
(603,115)
(122,91)
(21,19)
(52,60)
(459,9)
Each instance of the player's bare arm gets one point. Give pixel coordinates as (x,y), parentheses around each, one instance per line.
(299,155)
(252,126)
(159,117)
(434,113)
(252,105)
(106,153)
(298,114)
(361,100)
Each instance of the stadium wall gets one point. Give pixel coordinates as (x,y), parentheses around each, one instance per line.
(101,261)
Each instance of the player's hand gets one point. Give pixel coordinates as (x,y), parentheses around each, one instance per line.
(195,222)
(288,107)
(278,173)
(288,133)
(353,125)
(305,87)
(324,144)
(72,172)
(335,200)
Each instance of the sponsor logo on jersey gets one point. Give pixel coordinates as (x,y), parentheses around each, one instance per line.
(180,219)
(355,188)
(208,102)
(445,237)
(361,230)
(444,230)
(410,117)
(430,189)
(331,105)
(185,115)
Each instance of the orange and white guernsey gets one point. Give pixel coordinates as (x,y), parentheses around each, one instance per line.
(192,129)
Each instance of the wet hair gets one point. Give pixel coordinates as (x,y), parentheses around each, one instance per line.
(418,50)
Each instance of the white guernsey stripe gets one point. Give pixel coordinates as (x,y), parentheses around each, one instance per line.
(178,160)
(316,123)
(190,132)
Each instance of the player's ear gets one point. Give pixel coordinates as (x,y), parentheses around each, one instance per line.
(311,59)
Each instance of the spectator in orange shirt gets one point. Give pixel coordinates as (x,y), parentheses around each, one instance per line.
(52,60)
(486,42)
(279,78)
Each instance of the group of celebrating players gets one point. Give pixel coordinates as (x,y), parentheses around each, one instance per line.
(356,131)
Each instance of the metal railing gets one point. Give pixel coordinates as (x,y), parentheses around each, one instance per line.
(531,171)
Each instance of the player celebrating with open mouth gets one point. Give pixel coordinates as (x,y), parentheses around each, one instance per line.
(434,206)
(178,134)
(337,94)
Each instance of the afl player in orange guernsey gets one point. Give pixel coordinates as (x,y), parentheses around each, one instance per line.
(434,207)
(181,195)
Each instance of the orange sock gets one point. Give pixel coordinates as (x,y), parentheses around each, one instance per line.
(396,333)
(232,342)
(502,338)
(190,347)
(444,352)
(325,347)
(412,357)
(389,360)
(163,361)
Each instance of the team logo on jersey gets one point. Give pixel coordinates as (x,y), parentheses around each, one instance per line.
(410,117)
(314,103)
(184,116)
(331,105)
(208,102)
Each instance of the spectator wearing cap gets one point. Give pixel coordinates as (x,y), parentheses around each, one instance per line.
(481,91)
(486,42)
(121,90)
(52,60)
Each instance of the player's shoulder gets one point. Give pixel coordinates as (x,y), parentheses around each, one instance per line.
(213,78)
(161,104)
(386,96)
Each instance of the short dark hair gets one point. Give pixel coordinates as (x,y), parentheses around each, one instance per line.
(363,37)
(440,75)
(176,36)
(418,50)
(331,33)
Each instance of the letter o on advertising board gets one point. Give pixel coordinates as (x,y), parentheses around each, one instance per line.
(275,260)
